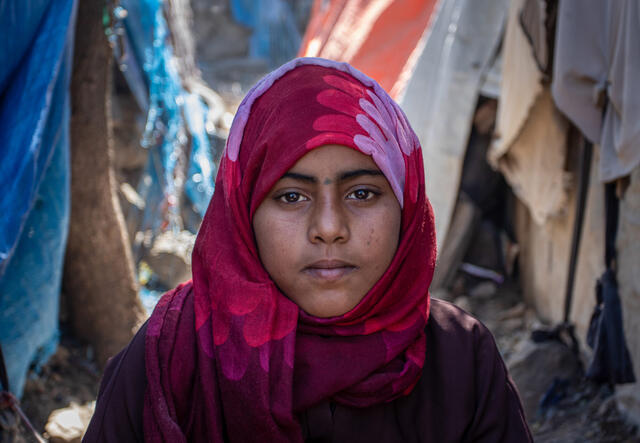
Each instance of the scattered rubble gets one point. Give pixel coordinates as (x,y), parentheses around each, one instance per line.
(59,399)
(535,366)
(486,289)
(586,413)
(170,257)
(573,408)
(67,425)
(463,303)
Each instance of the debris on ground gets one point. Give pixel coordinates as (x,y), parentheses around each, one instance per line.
(561,405)
(535,366)
(59,399)
(170,257)
(67,425)
(585,413)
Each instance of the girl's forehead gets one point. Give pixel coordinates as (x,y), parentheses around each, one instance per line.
(331,160)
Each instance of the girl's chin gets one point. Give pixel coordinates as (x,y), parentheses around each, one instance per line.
(327,304)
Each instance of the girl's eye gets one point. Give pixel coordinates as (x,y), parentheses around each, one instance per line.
(361,194)
(291,197)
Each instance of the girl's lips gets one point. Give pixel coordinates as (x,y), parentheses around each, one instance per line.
(329,270)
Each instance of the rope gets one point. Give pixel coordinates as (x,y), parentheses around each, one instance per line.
(10,402)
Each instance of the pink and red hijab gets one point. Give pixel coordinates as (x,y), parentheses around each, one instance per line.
(231,358)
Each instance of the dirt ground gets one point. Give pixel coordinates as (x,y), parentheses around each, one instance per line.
(70,377)
(584,412)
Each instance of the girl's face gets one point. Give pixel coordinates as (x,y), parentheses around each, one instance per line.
(328,230)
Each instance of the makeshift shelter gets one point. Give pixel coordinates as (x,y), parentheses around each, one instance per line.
(584,76)
(397,42)
(149,42)
(452,71)
(473,51)
(34,176)
(38,163)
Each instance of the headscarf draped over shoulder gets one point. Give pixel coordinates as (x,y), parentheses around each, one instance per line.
(228,356)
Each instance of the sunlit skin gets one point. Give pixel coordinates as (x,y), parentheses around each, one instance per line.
(328,230)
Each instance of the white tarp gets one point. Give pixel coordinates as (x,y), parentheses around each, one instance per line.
(597,54)
(530,143)
(520,87)
(440,98)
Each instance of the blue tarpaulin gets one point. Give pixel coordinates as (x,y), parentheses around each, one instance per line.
(36,50)
(175,117)
(175,131)
(36,47)
(275,36)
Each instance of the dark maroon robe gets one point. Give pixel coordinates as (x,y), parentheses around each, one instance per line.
(464,394)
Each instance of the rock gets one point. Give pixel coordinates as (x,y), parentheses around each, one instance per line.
(463,303)
(607,406)
(628,402)
(534,366)
(517,311)
(61,356)
(483,290)
(511,324)
(67,425)
(132,196)
(170,257)
(442,294)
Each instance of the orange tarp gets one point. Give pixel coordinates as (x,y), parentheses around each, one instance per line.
(382,38)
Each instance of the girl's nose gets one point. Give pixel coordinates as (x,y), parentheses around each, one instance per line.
(328,222)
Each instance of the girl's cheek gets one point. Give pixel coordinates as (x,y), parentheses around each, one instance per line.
(371,238)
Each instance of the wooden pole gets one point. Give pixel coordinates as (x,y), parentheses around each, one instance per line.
(98,280)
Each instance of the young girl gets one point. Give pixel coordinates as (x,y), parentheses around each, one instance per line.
(309,317)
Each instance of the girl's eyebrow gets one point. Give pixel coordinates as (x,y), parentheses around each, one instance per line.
(358,173)
(297,176)
(347,175)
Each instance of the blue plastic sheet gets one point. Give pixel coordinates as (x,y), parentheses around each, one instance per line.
(34,176)
(181,161)
(175,118)
(201,173)
(19,21)
(275,35)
